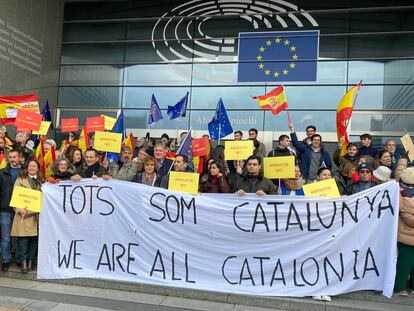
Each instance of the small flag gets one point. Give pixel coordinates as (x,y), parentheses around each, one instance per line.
(129,142)
(47,162)
(40,151)
(3,162)
(275,100)
(186,148)
(155,112)
(84,140)
(47,116)
(220,125)
(179,110)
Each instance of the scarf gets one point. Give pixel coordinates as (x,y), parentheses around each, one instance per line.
(407,190)
(93,169)
(149,181)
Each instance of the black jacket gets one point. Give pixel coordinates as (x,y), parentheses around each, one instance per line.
(165,167)
(6,189)
(252,185)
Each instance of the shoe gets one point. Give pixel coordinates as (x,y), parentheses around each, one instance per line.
(23,267)
(326,298)
(403,293)
(30,266)
(319,298)
(5,266)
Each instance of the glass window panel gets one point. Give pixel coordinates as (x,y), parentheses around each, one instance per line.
(233,97)
(391,20)
(91,75)
(154,7)
(323,120)
(94,32)
(398,97)
(333,47)
(137,119)
(144,52)
(370,97)
(96,10)
(92,53)
(314,96)
(399,71)
(240,119)
(367,71)
(165,74)
(140,30)
(104,97)
(140,97)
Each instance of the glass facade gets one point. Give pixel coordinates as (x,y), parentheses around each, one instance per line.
(116,54)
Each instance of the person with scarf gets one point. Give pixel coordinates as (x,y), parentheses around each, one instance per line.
(62,170)
(215,181)
(292,186)
(75,157)
(149,175)
(25,223)
(91,167)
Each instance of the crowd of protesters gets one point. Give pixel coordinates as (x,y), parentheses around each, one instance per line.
(151,161)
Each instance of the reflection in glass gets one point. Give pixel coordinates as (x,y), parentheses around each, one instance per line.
(91,75)
(140,97)
(83,97)
(164,74)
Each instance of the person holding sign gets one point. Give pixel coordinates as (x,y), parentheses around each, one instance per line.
(292,186)
(149,175)
(215,181)
(180,165)
(25,222)
(253,180)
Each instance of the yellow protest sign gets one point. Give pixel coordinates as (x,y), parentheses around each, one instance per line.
(183,182)
(238,149)
(109,122)
(26,198)
(44,127)
(324,188)
(408,145)
(279,167)
(106,141)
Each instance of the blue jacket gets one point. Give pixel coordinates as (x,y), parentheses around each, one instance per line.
(306,155)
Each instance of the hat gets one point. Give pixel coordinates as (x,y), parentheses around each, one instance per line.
(382,173)
(407,176)
(366,135)
(365,165)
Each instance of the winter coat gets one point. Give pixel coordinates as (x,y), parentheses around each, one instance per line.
(344,183)
(127,172)
(209,184)
(406,221)
(367,151)
(138,179)
(5,189)
(251,185)
(357,187)
(27,226)
(306,156)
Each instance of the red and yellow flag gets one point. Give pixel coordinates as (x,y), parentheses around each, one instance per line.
(47,162)
(343,116)
(40,151)
(3,160)
(84,140)
(10,104)
(275,100)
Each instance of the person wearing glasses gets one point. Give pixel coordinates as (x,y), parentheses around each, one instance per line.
(365,179)
(253,181)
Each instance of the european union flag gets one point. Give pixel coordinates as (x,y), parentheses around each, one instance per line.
(179,110)
(278,56)
(155,112)
(220,125)
(119,127)
(47,116)
(186,148)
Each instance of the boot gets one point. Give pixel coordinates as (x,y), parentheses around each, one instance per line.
(30,266)
(23,267)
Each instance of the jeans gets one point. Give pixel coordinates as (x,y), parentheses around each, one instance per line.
(6,220)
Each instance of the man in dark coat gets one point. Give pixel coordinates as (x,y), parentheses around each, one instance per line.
(366,146)
(253,180)
(164,164)
(8,177)
(365,182)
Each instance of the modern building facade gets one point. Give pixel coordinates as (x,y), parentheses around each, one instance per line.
(116,54)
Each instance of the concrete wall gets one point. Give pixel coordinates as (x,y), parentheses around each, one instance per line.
(30,41)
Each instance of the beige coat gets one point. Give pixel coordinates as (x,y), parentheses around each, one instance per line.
(406,221)
(27,227)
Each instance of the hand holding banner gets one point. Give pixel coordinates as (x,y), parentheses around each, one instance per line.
(70,125)
(183,182)
(279,167)
(95,124)
(27,120)
(324,188)
(238,149)
(107,141)
(26,198)
(44,127)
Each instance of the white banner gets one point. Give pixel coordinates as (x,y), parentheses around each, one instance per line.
(271,245)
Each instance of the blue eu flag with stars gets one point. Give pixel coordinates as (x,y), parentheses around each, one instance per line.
(220,125)
(155,112)
(278,56)
(179,110)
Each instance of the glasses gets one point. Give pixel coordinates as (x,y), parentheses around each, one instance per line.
(365,171)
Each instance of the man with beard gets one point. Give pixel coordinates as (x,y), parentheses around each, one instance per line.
(123,169)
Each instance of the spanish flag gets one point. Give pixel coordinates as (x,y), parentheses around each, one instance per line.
(343,116)
(84,140)
(40,151)
(275,100)
(47,162)
(3,160)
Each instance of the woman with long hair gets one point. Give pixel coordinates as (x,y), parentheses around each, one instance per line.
(25,222)
(75,157)
(215,181)
(71,140)
(149,175)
